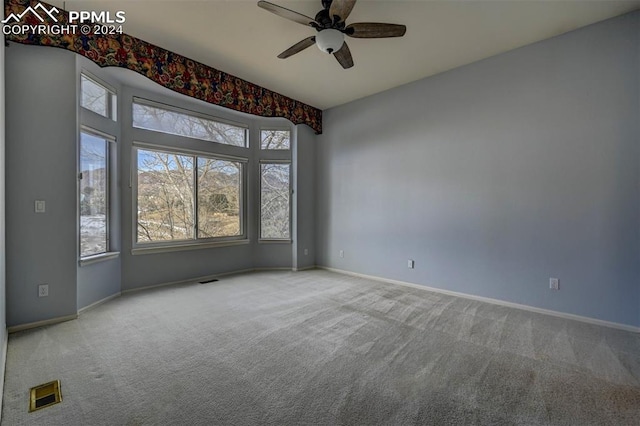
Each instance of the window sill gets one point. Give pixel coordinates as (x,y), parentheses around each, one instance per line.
(188,246)
(102,257)
(268,241)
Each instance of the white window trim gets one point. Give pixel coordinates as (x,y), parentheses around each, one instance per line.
(184,246)
(97,258)
(111,102)
(277,129)
(110,139)
(187,151)
(97,133)
(185,111)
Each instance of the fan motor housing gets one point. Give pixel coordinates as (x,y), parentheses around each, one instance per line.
(323,18)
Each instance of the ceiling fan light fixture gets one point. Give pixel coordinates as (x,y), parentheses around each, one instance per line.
(331,28)
(329,40)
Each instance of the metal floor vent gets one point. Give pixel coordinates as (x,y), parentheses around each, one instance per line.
(209,281)
(42,396)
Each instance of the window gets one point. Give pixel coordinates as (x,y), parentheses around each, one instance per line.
(219,198)
(275,139)
(186,123)
(96,97)
(182,197)
(274,201)
(94,193)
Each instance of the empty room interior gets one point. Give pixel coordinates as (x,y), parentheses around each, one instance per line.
(320,212)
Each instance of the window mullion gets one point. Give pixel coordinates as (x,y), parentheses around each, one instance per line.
(107,196)
(195,198)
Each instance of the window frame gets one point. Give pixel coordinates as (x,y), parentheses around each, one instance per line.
(189,112)
(112,98)
(195,242)
(274,161)
(110,140)
(276,129)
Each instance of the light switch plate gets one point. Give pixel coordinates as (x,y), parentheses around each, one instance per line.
(40,206)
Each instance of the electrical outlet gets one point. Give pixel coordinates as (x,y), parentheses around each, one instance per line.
(341,253)
(554,284)
(306,252)
(410,264)
(43,290)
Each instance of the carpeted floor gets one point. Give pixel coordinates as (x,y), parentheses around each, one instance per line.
(315,347)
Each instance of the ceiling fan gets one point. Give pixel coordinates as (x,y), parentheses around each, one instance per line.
(331,29)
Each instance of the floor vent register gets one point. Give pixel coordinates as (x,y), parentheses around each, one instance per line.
(44,395)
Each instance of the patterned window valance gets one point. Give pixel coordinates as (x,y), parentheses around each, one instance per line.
(166,68)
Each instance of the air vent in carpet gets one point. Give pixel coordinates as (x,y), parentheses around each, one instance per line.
(209,281)
(44,395)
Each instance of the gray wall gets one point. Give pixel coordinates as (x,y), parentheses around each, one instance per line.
(97,281)
(496,176)
(304,198)
(41,129)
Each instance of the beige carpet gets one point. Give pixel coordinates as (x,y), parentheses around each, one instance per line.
(315,347)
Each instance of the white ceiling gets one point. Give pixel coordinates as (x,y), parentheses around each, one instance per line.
(238,37)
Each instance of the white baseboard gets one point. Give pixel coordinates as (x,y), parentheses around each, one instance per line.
(304,268)
(490,300)
(188,281)
(210,277)
(275,268)
(99,302)
(35,324)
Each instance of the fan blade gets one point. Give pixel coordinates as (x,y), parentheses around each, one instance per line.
(286,13)
(375,30)
(344,56)
(341,9)
(298,47)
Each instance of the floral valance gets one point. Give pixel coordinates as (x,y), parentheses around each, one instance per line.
(38,23)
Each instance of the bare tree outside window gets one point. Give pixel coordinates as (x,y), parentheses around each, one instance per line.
(94,178)
(96,97)
(219,198)
(274,200)
(166,207)
(191,126)
(165,196)
(275,139)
